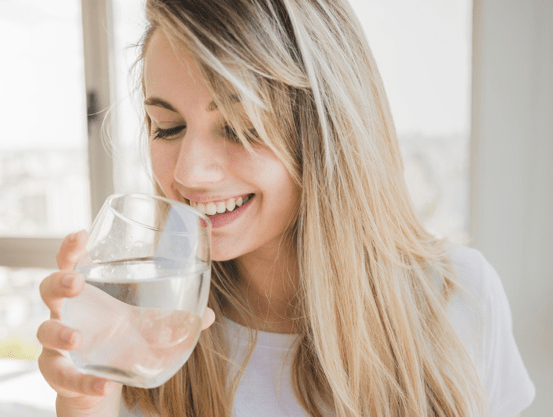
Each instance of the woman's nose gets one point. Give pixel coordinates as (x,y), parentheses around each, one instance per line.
(200,161)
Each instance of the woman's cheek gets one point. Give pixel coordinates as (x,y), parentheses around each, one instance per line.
(162,164)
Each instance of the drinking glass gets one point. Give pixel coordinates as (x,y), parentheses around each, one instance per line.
(147,272)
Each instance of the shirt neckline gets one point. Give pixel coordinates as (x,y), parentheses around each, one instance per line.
(266,339)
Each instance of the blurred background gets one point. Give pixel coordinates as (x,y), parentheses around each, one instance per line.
(471,89)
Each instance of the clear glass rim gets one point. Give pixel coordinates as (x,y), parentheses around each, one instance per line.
(178,204)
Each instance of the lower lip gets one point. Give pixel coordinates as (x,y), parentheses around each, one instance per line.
(220,220)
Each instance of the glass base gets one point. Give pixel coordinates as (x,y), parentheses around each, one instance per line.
(123,377)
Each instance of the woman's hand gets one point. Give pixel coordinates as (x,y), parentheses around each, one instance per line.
(78,394)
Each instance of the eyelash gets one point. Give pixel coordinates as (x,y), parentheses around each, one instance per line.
(229,132)
(232,136)
(167,133)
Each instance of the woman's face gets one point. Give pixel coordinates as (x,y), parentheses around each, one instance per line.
(195,160)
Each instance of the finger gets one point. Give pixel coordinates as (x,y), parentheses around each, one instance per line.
(63,377)
(209,318)
(57,286)
(52,334)
(71,250)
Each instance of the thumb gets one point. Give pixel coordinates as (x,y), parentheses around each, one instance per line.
(72,249)
(209,318)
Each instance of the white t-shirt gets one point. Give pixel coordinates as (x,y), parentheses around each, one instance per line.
(266,389)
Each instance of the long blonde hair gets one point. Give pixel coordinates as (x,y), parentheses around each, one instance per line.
(374,337)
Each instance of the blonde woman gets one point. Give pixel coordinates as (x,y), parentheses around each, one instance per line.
(330,298)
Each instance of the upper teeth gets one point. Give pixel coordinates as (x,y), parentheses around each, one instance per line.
(220,206)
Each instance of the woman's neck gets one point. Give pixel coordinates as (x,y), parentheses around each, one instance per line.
(270,284)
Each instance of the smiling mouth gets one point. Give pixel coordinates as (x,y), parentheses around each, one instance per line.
(221,207)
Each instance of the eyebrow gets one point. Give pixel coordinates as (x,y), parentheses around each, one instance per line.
(156,101)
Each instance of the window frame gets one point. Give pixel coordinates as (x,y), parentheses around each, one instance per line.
(97,33)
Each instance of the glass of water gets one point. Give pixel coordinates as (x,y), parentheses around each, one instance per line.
(147,272)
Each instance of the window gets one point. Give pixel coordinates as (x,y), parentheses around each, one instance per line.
(44,185)
(423,51)
(54,169)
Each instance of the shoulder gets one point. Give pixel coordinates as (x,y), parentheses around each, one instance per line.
(480,313)
(470,306)
(479,307)
(473,271)
(479,294)
(479,285)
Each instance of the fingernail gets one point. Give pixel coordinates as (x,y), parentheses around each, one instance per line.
(67,281)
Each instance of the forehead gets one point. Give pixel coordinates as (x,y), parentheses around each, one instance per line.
(172,74)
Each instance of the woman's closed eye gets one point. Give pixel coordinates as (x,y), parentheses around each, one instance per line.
(231,135)
(159,133)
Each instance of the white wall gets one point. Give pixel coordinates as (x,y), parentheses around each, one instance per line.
(512,170)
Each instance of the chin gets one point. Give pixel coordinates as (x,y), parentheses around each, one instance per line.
(221,256)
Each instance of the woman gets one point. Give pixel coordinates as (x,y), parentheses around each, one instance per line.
(329,296)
